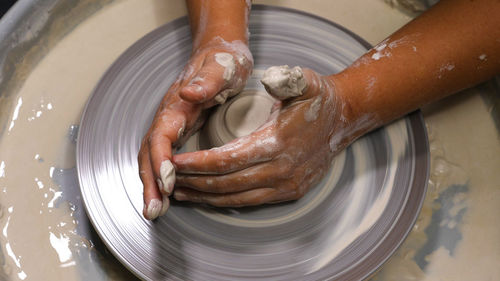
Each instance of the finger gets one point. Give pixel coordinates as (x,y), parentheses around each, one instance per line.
(292,189)
(165,205)
(153,205)
(258,147)
(315,85)
(285,83)
(250,178)
(211,80)
(238,199)
(168,131)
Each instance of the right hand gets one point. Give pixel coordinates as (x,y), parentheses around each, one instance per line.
(282,159)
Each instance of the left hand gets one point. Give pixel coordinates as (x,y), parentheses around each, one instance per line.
(216,70)
(278,162)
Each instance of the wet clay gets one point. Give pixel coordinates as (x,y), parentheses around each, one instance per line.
(39,239)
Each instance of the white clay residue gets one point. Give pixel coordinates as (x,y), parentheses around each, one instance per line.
(383,49)
(312,112)
(380,50)
(221,97)
(154,208)
(61,245)
(334,142)
(167,173)
(447,66)
(469,212)
(247,113)
(283,82)
(245,57)
(227,61)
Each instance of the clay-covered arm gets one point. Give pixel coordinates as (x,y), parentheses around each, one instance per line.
(453,46)
(219,29)
(225,19)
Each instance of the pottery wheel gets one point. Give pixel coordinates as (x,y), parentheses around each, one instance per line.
(344,228)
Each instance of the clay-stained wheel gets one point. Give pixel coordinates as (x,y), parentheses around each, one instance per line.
(344,228)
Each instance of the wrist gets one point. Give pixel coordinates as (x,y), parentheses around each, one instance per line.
(213,37)
(350,95)
(342,94)
(225,19)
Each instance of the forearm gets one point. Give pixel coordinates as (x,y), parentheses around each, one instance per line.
(453,46)
(227,19)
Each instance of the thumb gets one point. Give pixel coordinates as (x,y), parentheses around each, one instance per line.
(207,83)
(284,83)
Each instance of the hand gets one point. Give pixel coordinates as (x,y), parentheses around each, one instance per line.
(281,160)
(215,71)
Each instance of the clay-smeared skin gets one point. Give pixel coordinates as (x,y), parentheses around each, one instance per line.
(201,80)
(437,54)
(399,75)
(199,86)
(278,162)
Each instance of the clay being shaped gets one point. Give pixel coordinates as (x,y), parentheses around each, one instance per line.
(239,117)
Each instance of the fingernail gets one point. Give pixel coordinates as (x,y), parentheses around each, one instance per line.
(154,208)
(165,205)
(180,196)
(167,173)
